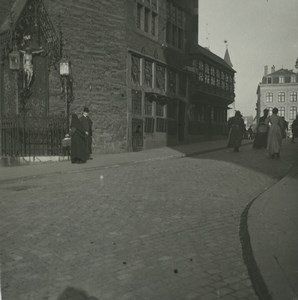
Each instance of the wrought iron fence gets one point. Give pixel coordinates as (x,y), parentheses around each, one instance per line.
(32,136)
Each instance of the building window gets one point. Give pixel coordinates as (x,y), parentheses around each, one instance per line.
(201,71)
(149,125)
(146,21)
(160,77)
(293,97)
(222,80)
(207,74)
(139,15)
(135,69)
(293,79)
(182,84)
(146,18)
(281,79)
(281,97)
(161,125)
(136,98)
(153,24)
(171,82)
(148,73)
(218,78)
(148,107)
(230,83)
(227,82)
(159,109)
(269,97)
(212,76)
(293,112)
(175,25)
(282,111)
(269,80)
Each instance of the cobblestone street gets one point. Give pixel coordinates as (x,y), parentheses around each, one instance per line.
(158,230)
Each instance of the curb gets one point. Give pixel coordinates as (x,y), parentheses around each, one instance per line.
(254,272)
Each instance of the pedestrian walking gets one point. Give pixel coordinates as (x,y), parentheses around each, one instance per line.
(79,153)
(87,124)
(237,129)
(294,129)
(275,134)
(260,140)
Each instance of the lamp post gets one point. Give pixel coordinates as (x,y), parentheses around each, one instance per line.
(65,73)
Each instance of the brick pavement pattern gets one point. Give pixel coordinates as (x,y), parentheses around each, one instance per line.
(159,230)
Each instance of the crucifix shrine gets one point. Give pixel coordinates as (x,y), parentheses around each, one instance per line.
(28,65)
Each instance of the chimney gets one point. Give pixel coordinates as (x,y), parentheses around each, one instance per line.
(265,70)
(273,69)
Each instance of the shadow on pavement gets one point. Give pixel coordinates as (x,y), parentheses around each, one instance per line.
(258,160)
(71,293)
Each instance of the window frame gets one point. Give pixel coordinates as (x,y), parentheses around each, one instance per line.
(293,112)
(269,97)
(293,96)
(281,97)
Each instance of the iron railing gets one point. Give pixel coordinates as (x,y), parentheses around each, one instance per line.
(32,136)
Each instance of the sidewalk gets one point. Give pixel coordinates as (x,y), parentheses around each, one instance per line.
(113,160)
(273,230)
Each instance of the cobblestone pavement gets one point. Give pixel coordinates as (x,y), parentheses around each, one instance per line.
(160,230)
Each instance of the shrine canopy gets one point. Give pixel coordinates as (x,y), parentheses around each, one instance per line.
(26,23)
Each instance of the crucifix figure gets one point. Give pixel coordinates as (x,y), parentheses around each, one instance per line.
(28,64)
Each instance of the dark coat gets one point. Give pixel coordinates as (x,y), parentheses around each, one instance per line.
(79,150)
(260,140)
(236,131)
(87,125)
(295,128)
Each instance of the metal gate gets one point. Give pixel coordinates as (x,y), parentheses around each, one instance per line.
(32,136)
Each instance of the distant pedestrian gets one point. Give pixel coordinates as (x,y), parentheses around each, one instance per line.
(286,127)
(260,140)
(79,153)
(87,124)
(275,134)
(294,129)
(250,133)
(237,129)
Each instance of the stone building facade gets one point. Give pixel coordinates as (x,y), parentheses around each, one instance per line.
(136,64)
(279,88)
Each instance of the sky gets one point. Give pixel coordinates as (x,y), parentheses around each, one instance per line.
(258,33)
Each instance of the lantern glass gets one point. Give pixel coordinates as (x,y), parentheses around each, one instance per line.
(14,60)
(64,68)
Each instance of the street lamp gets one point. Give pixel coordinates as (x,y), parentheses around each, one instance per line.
(14,60)
(65,73)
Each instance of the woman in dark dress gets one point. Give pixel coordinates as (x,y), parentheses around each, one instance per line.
(260,140)
(79,153)
(236,131)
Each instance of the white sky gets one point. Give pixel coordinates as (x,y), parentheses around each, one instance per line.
(259,33)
